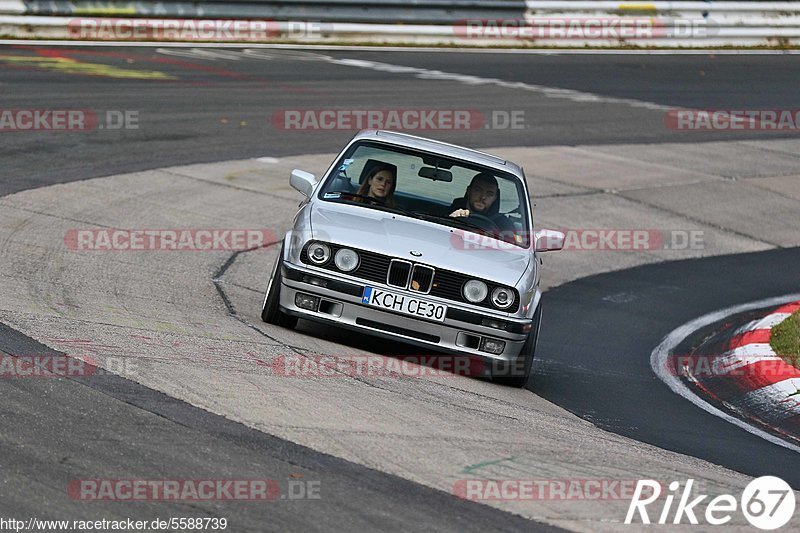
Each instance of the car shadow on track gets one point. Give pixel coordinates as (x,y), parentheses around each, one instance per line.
(438,362)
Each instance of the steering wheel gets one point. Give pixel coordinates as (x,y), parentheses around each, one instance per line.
(483,221)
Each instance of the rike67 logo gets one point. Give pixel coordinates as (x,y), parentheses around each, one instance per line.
(767,503)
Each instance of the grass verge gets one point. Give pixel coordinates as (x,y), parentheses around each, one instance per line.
(785,339)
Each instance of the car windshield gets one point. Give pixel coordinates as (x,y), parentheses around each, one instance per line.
(446,191)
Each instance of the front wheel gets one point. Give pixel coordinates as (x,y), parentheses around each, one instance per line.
(510,374)
(271,313)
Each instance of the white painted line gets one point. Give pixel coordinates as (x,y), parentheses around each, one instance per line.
(549,92)
(660,355)
(285,53)
(427,74)
(201,53)
(268,159)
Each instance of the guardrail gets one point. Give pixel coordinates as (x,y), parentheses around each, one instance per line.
(533,23)
(12,7)
(679,23)
(370,11)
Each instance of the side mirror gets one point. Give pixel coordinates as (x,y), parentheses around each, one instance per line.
(303,181)
(548,240)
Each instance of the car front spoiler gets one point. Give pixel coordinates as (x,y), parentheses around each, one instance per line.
(343,307)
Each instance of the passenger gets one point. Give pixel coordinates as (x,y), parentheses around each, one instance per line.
(482,197)
(380,184)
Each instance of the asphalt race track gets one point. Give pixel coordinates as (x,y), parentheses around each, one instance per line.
(228,115)
(594,354)
(53,431)
(603,315)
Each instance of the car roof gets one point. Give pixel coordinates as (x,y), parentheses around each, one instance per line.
(439,147)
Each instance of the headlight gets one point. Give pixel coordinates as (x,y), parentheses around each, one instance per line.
(475,291)
(502,298)
(319,253)
(346,260)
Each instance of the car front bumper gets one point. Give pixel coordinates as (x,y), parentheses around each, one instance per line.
(340,303)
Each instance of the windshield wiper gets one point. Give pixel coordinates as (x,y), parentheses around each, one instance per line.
(406,212)
(462,221)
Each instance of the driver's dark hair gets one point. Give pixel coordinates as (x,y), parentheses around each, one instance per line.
(484,177)
(364,188)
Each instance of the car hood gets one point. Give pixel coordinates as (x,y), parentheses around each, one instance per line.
(397,235)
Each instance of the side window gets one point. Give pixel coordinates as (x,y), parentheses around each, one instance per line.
(461,180)
(358,160)
(509,198)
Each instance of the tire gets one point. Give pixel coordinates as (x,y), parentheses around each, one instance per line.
(508,374)
(271,313)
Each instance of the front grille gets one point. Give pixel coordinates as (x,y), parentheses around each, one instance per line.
(399,271)
(421,279)
(372,267)
(448,285)
(442,283)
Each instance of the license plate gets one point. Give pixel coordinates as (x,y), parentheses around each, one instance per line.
(403,303)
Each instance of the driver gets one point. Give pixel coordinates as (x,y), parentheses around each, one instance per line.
(483,198)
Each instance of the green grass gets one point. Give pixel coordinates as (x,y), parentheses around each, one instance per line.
(785,339)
